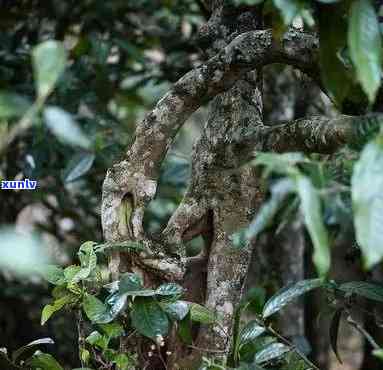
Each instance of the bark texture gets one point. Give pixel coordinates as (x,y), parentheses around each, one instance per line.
(218,201)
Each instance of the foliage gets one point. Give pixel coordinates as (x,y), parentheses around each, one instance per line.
(117,309)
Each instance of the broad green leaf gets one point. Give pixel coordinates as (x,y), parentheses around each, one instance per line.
(148,318)
(169,289)
(53,274)
(132,285)
(271,352)
(269,209)
(122,362)
(288,294)
(49,59)
(70,272)
(65,128)
(365,45)
(367,201)
(12,105)
(44,361)
(201,314)
(57,305)
(27,348)
(313,218)
(334,329)
(130,282)
(116,303)
(95,310)
(78,166)
(251,331)
(177,310)
(88,260)
(98,340)
(112,330)
(365,289)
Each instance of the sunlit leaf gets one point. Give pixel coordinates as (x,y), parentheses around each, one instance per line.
(313,218)
(271,352)
(288,294)
(177,310)
(367,200)
(95,310)
(30,346)
(57,305)
(365,44)
(49,60)
(251,331)
(63,126)
(78,166)
(202,314)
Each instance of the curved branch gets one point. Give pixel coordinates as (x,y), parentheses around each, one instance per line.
(138,174)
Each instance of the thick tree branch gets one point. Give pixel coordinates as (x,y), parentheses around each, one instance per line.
(317,134)
(138,174)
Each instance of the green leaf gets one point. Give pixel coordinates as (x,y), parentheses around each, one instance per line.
(184,330)
(169,289)
(49,59)
(12,105)
(269,209)
(57,305)
(70,272)
(53,274)
(332,40)
(364,41)
(95,310)
(65,128)
(367,201)
(313,218)
(365,289)
(112,330)
(97,340)
(271,352)
(44,361)
(201,314)
(132,285)
(288,294)
(251,331)
(334,329)
(78,166)
(26,349)
(122,362)
(148,318)
(177,310)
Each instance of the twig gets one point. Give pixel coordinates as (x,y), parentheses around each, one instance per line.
(361,330)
